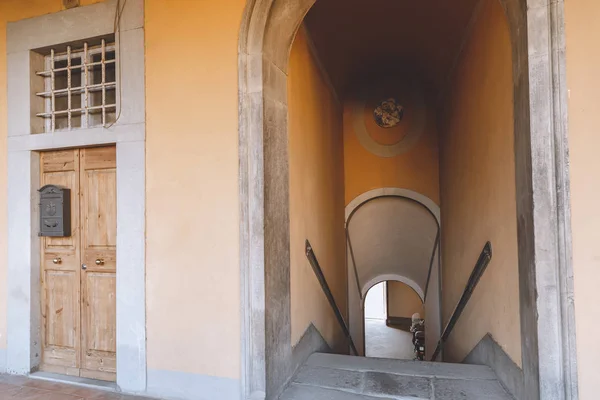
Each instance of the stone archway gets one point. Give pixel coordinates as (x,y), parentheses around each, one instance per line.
(542,183)
(393,277)
(425,201)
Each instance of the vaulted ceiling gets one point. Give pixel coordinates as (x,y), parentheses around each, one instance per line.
(392,236)
(364,39)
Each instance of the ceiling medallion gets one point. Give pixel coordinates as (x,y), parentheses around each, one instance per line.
(388,113)
(409,94)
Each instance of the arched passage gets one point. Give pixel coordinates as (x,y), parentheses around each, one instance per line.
(548,345)
(387,317)
(392,235)
(357,316)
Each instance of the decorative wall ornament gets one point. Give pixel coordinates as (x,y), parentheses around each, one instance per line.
(388,113)
(406,111)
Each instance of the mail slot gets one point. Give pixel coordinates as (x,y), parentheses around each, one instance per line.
(55,211)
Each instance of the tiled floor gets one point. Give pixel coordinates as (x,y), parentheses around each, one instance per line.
(18,387)
(385,342)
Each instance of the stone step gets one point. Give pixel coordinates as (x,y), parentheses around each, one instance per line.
(301,392)
(401,367)
(334,377)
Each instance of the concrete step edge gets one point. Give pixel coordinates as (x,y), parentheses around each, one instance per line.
(345,392)
(402,367)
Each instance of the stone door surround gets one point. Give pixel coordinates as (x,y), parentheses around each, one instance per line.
(542,183)
(128,134)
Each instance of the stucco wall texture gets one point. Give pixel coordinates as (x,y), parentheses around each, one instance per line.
(478,189)
(192,207)
(403,301)
(417,169)
(316,195)
(583,64)
(192,247)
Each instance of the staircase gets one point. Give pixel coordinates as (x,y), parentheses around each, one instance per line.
(336,377)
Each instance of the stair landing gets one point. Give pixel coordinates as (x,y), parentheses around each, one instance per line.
(336,377)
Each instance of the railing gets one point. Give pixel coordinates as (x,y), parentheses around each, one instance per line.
(482,262)
(312,259)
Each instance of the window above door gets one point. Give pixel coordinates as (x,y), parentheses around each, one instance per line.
(76,86)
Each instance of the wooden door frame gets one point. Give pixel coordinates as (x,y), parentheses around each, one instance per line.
(78,253)
(128,134)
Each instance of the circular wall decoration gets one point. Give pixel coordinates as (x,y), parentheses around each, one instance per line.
(388,113)
(388,126)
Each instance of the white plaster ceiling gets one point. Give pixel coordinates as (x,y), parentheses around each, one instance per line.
(392,235)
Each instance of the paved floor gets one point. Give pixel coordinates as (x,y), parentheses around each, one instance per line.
(385,342)
(18,387)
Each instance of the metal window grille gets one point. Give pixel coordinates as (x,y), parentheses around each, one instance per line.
(80,87)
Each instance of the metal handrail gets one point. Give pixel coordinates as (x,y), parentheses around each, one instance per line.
(482,262)
(312,259)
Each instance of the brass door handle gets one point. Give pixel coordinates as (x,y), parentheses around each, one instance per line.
(99,261)
(57,260)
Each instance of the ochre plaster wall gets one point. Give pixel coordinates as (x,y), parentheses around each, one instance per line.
(192,206)
(417,169)
(316,194)
(13,10)
(193,287)
(478,189)
(403,301)
(583,64)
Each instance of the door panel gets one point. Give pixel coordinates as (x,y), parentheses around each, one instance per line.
(100,325)
(99,359)
(60,275)
(61,335)
(79,272)
(101,209)
(62,291)
(98,243)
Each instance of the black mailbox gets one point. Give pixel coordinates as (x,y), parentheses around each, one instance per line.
(55,211)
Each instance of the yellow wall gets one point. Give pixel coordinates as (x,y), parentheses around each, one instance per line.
(403,301)
(416,170)
(193,287)
(13,10)
(478,189)
(583,64)
(316,195)
(192,207)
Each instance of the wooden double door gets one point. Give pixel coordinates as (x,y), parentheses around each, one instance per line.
(78,273)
